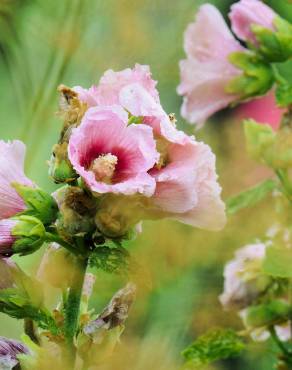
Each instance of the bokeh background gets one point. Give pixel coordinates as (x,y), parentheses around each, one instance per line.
(47,42)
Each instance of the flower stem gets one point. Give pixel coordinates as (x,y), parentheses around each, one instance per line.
(72,307)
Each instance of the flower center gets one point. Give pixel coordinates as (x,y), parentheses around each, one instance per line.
(104,167)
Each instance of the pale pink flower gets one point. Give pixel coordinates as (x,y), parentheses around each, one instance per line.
(207,71)
(112,157)
(263,110)
(111,83)
(6,238)
(246,13)
(185,175)
(12,156)
(241,276)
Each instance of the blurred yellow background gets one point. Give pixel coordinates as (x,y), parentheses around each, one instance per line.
(44,43)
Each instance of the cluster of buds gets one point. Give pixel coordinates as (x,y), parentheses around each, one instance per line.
(219,71)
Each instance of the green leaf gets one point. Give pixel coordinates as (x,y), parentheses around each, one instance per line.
(267,314)
(217,344)
(112,260)
(250,197)
(278,261)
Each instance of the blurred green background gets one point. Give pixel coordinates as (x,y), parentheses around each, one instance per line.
(47,42)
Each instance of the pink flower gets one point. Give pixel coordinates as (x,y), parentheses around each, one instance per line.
(6,238)
(11,171)
(262,110)
(207,70)
(111,83)
(185,175)
(246,13)
(9,350)
(241,276)
(112,157)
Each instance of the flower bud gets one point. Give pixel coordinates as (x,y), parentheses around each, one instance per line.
(77,210)
(60,168)
(24,235)
(257,23)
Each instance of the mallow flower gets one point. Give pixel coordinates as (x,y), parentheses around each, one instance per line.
(246,13)
(206,71)
(182,171)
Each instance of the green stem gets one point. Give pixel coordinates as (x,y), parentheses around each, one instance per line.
(56,239)
(72,307)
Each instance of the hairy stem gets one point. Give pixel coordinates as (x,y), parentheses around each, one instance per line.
(72,307)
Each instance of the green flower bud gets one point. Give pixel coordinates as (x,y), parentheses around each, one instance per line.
(61,169)
(29,234)
(256,79)
(274,45)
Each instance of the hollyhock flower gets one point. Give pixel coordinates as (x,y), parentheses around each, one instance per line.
(262,110)
(111,156)
(12,171)
(207,71)
(9,349)
(111,83)
(243,281)
(246,13)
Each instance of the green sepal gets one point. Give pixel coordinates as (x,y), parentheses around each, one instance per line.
(256,79)
(30,235)
(267,314)
(217,344)
(39,203)
(283,94)
(274,45)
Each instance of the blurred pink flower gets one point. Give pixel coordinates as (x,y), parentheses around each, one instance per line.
(9,350)
(262,110)
(6,237)
(185,175)
(207,70)
(246,13)
(112,157)
(12,156)
(111,83)
(241,275)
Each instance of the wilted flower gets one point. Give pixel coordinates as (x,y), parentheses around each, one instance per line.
(247,13)
(243,280)
(12,171)
(111,156)
(9,349)
(207,71)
